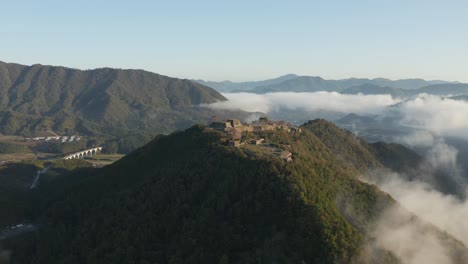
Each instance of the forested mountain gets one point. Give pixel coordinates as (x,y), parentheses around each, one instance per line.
(97,102)
(190,198)
(361,154)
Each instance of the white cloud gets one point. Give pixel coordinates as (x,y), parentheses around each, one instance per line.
(442,155)
(439,115)
(328,101)
(447,212)
(414,241)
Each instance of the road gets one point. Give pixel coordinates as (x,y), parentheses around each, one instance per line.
(38,175)
(16,230)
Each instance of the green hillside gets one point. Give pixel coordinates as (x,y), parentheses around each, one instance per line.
(97,102)
(360,154)
(190,198)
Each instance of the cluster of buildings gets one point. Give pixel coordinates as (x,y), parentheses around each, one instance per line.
(234,129)
(263,124)
(62,139)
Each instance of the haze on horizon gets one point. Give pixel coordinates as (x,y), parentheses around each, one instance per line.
(245,40)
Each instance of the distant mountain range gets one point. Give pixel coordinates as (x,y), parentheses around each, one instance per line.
(449,89)
(294,83)
(98,102)
(460,97)
(228,86)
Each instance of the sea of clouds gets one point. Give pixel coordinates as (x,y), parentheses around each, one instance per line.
(438,115)
(328,101)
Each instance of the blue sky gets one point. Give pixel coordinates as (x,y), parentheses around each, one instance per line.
(243,40)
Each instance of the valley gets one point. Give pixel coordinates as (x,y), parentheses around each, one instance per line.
(233,132)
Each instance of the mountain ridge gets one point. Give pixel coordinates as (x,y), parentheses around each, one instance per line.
(97,101)
(188,197)
(298,83)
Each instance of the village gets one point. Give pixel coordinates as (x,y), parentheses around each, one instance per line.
(233,129)
(50,136)
(40,145)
